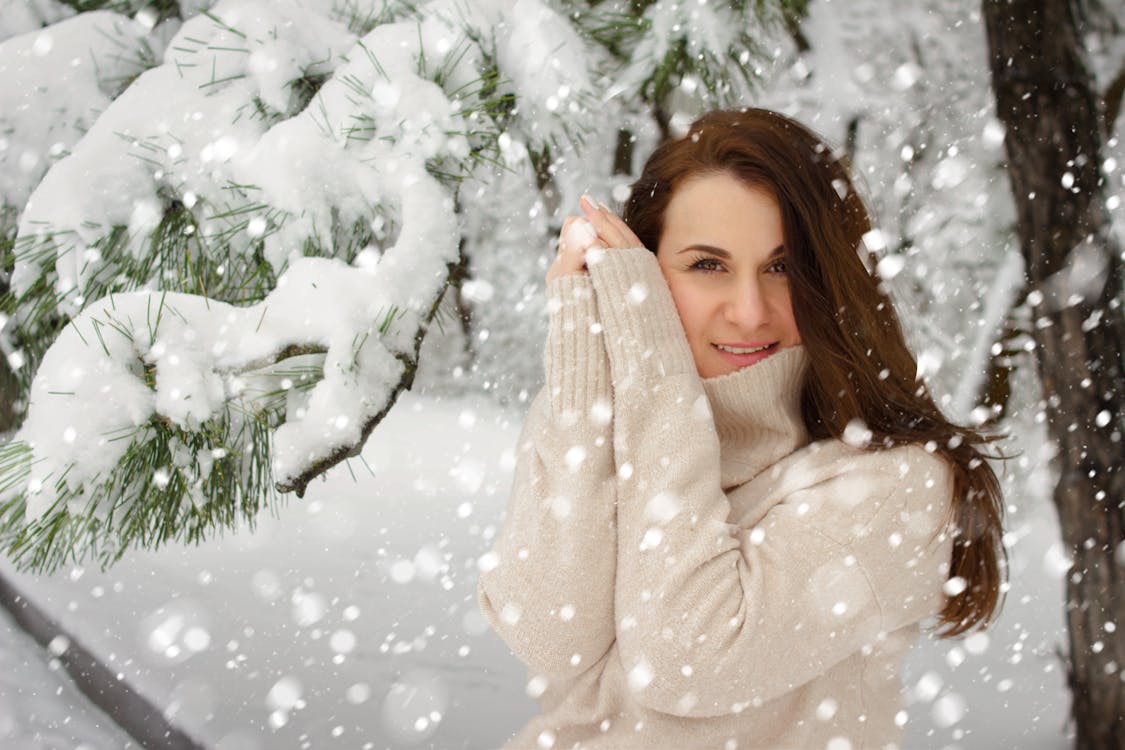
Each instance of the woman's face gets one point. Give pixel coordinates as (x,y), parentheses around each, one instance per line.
(723,255)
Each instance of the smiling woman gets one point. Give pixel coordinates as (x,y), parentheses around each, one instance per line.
(734,503)
(722,253)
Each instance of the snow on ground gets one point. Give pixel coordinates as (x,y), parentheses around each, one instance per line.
(350,620)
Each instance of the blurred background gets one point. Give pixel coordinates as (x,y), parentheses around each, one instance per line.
(430,151)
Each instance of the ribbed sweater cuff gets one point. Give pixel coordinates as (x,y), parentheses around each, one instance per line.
(575,362)
(644,335)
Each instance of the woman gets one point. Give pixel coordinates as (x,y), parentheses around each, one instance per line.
(734,502)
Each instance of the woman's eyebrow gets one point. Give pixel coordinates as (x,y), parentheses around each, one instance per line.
(707,249)
(718,251)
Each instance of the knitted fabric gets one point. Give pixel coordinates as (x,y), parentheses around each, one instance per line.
(680,567)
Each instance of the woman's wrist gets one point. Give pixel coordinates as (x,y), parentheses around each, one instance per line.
(644,335)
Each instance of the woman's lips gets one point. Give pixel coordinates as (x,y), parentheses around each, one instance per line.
(745,360)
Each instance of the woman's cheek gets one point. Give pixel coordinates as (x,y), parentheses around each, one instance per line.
(688,303)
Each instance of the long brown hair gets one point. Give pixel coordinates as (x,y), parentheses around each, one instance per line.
(860,366)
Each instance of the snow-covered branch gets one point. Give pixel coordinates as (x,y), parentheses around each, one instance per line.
(224,138)
(266,222)
(56,83)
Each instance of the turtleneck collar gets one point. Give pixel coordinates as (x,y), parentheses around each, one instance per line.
(757,413)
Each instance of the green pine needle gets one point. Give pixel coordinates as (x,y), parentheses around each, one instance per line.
(171,485)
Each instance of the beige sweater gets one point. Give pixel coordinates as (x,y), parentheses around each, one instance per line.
(679,567)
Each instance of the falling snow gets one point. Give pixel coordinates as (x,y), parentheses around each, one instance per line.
(350,619)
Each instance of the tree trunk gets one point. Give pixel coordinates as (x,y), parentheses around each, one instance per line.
(9,399)
(10,395)
(1045,98)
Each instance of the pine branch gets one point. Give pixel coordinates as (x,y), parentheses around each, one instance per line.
(170,485)
(243,420)
(300,483)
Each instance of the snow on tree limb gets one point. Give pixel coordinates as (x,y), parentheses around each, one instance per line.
(22,16)
(140,360)
(90,58)
(170,138)
(267,221)
(156,414)
(140,356)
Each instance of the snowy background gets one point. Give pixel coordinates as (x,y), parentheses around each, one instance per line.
(349,618)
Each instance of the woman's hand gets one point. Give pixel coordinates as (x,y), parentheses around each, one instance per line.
(611,228)
(600,229)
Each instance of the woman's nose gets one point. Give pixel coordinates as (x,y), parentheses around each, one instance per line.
(746,306)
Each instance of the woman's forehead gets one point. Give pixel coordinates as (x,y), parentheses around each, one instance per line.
(721,211)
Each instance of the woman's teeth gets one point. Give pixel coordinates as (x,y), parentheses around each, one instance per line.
(741,350)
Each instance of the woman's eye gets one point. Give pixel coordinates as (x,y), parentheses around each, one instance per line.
(707,264)
(778,266)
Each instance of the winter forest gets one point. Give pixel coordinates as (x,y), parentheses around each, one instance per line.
(272,311)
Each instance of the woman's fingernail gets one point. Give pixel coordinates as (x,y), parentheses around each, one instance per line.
(589,201)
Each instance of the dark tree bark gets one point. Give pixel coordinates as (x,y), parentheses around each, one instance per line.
(9,399)
(1046,99)
(10,395)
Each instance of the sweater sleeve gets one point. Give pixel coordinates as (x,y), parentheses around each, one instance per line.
(713,618)
(547,585)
